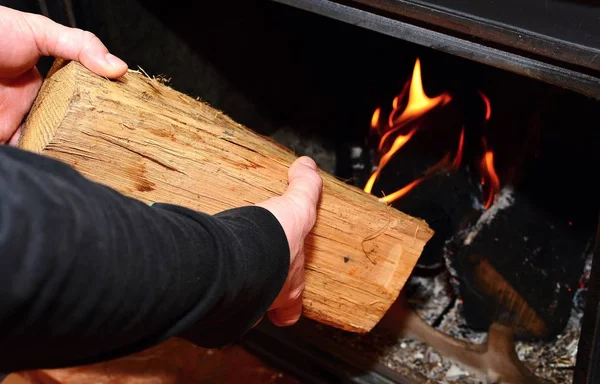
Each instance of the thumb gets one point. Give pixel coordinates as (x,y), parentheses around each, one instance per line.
(304,190)
(304,180)
(296,209)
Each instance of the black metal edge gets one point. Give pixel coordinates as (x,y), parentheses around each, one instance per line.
(552,74)
(587,365)
(505,37)
(283,349)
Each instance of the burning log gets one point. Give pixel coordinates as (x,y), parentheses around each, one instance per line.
(416,173)
(152,143)
(521,261)
(445,201)
(519,266)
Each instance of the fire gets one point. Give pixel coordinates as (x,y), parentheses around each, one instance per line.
(375,119)
(459,151)
(488,106)
(488,171)
(398,143)
(403,191)
(418,105)
(396,108)
(407,107)
(418,102)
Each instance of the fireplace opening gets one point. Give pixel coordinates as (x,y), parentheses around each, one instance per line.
(513,243)
(500,165)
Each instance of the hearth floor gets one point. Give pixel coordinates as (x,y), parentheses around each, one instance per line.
(553,361)
(231,365)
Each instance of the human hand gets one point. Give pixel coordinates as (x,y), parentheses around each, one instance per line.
(296,211)
(25,38)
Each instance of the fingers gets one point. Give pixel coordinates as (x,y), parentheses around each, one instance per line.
(14,140)
(16,97)
(288,314)
(287,308)
(53,39)
(27,36)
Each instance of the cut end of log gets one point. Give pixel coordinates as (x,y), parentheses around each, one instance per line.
(152,143)
(47,112)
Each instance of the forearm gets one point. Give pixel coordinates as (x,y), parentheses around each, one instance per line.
(88,274)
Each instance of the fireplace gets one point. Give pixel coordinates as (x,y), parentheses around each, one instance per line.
(474,118)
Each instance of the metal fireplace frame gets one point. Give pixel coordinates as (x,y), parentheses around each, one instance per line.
(563,62)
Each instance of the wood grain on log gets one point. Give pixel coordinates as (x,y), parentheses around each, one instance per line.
(153,143)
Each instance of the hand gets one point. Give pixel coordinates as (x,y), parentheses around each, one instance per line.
(25,38)
(296,210)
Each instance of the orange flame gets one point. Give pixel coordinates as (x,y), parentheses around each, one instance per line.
(488,170)
(375,118)
(405,111)
(403,191)
(488,106)
(459,151)
(398,143)
(418,104)
(396,107)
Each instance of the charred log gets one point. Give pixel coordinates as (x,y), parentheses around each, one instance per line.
(521,261)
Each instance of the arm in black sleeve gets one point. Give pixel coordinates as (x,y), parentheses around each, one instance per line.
(87,274)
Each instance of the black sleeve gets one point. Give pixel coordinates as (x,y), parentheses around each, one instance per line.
(87,274)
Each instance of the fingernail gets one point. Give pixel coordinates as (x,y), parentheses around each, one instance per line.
(114,60)
(308,162)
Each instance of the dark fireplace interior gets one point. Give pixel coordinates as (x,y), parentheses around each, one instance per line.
(501,165)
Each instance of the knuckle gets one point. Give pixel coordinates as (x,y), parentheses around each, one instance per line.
(315,178)
(319,183)
(89,37)
(297,292)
